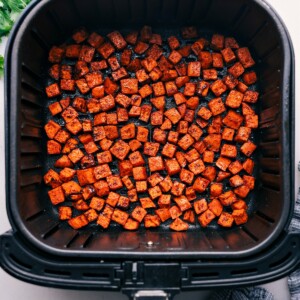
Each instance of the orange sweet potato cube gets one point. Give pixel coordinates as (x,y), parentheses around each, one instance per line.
(155,74)
(164,201)
(123,100)
(118,41)
(234,99)
(78,222)
(163,213)
(204,113)
(179,225)
(120,149)
(149,64)
(203,88)
(91,215)
(200,184)
(66,174)
(120,216)
(159,135)
(248,148)
(235,167)
(127,182)
(194,69)
(233,120)
(111,132)
(136,159)
(140,47)
(216,189)
(72,51)
(249,181)
(189,216)
(106,50)
(171,88)
(210,74)
(236,181)
(186,141)
(206,217)
(240,216)
(168,150)
(131,224)
(145,91)
(236,70)
(251,121)
(175,57)
(155,179)
(225,219)
(183,203)
(172,166)
(218,87)
(156,164)
(228,198)
(97,203)
(216,106)
(129,86)
(166,184)
(222,175)
(53,147)
(154,192)
(179,98)
(242,191)
(228,55)
(209,173)
(55,108)
(101,188)
(151,221)
(63,162)
(75,155)
(90,147)
(173,137)
(215,207)
(189,89)
(158,102)
(200,206)
(229,151)
(95,40)
(128,131)
(173,42)
(177,188)
(132,195)
(74,126)
(213,142)
(141,76)
(173,115)
(245,57)
(249,77)
(56,54)
(80,204)
(248,166)
(195,132)
(53,90)
(217,61)
(175,212)
(114,182)
(181,80)
(205,58)
(52,179)
(93,105)
(139,173)
(151,149)
(122,114)
(197,166)
(240,204)
(223,163)
(71,187)
(186,176)
(242,87)
(138,213)
(228,134)
(56,195)
(102,171)
(134,145)
(230,81)
(65,213)
(51,129)
(208,156)
(243,134)
(156,118)
(105,217)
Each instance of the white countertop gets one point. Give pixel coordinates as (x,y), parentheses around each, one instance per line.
(14,289)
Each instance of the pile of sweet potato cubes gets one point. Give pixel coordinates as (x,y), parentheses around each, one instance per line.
(146,130)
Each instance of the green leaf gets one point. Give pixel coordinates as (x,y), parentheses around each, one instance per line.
(1,65)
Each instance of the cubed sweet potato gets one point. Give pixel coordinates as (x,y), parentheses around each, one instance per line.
(236,70)
(200,184)
(235,167)
(215,207)
(52,179)
(105,216)
(206,217)
(156,164)
(151,221)
(228,198)
(179,225)
(166,184)
(172,166)
(114,182)
(240,216)
(242,191)
(164,201)
(65,213)
(200,206)
(194,69)
(248,148)
(233,120)
(78,222)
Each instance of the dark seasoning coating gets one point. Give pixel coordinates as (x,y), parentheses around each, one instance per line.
(75,205)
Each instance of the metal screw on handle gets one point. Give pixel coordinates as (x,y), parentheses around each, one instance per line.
(151,295)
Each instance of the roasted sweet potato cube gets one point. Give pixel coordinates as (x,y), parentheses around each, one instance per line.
(129,86)
(216,189)
(182,80)
(245,57)
(156,118)
(71,187)
(120,149)
(79,104)
(172,166)
(168,150)
(248,166)
(65,102)
(158,102)
(106,50)
(131,38)
(198,46)
(229,151)
(111,132)
(105,144)
(186,141)
(228,198)
(175,212)
(235,167)
(243,134)
(105,217)
(223,163)
(166,184)
(145,112)
(236,181)
(122,114)
(248,148)
(183,203)
(131,224)
(90,147)
(233,120)
(200,184)
(175,57)
(132,195)
(240,204)
(195,132)
(123,202)
(52,178)
(177,188)
(136,159)
(95,40)
(179,98)
(139,173)
(80,35)
(204,113)
(146,91)
(228,55)
(173,42)
(210,74)
(200,146)
(217,61)
(94,79)
(242,191)
(56,54)
(65,175)
(155,192)
(117,40)
(169,75)
(173,137)
(72,51)
(155,163)
(149,64)
(200,206)
(222,175)
(242,87)
(114,182)
(240,216)
(76,155)
(128,131)
(52,90)
(78,222)
(234,99)
(230,81)
(213,142)
(102,171)
(127,182)
(217,42)
(218,87)
(163,214)
(155,39)
(134,145)
(209,173)
(141,75)
(164,64)
(80,205)
(251,121)
(141,47)
(203,88)
(104,157)
(151,149)
(55,108)
(192,155)
(179,225)
(189,216)
(88,192)
(194,69)
(197,166)
(151,221)
(74,126)
(147,203)
(225,219)
(216,106)
(231,43)
(236,70)
(91,215)
(141,186)
(215,207)
(159,135)
(164,201)
(101,188)
(171,88)
(82,86)
(182,127)
(138,213)
(206,217)
(86,53)
(120,216)
(97,203)
(205,58)
(135,111)
(65,213)
(155,74)
(208,156)
(53,147)
(134,65)
(192,103)
(249,181)
(228,134)
(63,162)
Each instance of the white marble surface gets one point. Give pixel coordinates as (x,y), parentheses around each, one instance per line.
(14,289)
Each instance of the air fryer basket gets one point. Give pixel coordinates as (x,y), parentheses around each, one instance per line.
(49,22)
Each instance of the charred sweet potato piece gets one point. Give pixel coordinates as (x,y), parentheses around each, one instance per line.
(120,216)
(172,166)
(156,164)
(206,217)
(175,212)
(236,70)
(131,224)
(200,184)
(65,212)
(236,181)
(63,162)
(233,120)
(225,220)
(166,184)
(132,195)
(147,203)
(101,188)
(78,222)
(52,179)
(215,207)
(164,201)
(200,206)
(114,182)
(228,198)
(151,221)
(235,167)
(240,216)
(248,148)
(97,203)
(177,188)
(194,69)
(65,174)
(179,225)
(105,216)
(163,213)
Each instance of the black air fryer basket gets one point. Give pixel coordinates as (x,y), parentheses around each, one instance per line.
(40,250)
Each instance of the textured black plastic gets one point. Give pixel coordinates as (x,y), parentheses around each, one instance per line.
(50,22)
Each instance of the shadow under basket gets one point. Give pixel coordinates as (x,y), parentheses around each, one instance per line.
(50,22)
